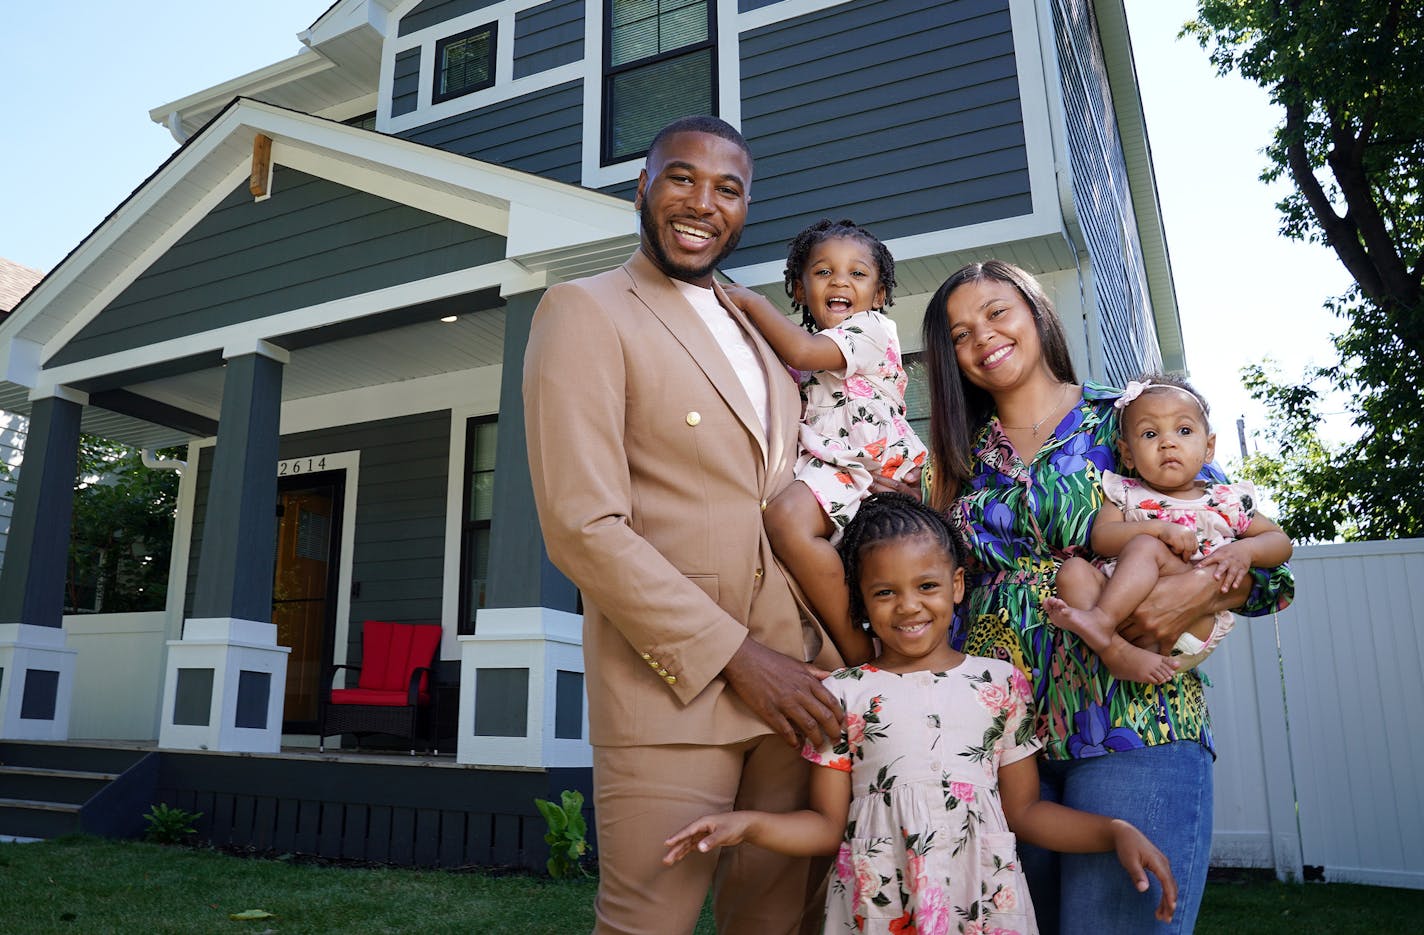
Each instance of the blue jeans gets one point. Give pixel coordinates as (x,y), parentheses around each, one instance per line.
(1166,792)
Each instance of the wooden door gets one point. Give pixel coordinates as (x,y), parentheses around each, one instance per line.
(303,595)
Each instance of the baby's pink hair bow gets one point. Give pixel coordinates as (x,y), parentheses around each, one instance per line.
(1130,392)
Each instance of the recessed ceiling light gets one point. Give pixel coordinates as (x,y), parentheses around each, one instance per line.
(449,318)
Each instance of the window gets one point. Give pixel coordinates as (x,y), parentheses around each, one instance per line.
(480,435)
(464,63)
(917,395)
(660,65)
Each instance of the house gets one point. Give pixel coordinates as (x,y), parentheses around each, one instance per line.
(15,281)
(325,293)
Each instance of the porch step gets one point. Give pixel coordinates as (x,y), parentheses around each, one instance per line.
(31,818)
(49,789)
(75,786)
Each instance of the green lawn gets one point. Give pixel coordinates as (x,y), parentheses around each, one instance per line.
(92,886)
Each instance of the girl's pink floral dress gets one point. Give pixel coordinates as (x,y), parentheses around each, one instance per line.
(927,850)
(854,426)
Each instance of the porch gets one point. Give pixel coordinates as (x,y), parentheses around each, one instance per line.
(395,808)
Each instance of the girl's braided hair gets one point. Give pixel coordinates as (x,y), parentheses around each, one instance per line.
(886,516)
(825,229)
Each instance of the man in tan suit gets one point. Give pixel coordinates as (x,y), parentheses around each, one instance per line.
(659,425)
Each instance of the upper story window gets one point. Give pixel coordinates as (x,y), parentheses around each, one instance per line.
(463,63)
(659,64)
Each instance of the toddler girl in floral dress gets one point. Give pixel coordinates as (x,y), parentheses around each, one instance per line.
(853,429)
(935,773)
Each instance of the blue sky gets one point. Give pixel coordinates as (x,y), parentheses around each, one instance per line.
(79,142)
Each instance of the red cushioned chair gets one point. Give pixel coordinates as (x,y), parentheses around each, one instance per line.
(396,686)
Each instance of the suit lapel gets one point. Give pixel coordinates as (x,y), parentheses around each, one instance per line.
(782,398)
(655,291)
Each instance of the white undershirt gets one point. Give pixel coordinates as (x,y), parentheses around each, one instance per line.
(734,343)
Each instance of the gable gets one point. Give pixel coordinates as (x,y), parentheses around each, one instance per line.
(313,241)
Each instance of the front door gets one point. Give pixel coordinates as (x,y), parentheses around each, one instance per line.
(304,588)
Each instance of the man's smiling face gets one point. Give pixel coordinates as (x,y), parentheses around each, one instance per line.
(692,204)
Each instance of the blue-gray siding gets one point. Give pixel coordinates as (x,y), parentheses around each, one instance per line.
(902,114)
(313,241)
(405,82)
(540,133)
(548,36)
(399,547)
(1102,197)
(433,12)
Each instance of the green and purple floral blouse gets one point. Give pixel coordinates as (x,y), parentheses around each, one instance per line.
(1022,521)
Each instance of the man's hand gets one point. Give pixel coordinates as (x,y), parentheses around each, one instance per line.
(786,694)
(1176,602)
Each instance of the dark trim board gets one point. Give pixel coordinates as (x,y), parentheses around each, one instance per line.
(421,814)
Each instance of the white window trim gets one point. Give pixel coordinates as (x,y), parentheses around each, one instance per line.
(729,89)
(506,86)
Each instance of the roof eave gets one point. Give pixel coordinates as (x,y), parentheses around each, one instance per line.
(1142,179)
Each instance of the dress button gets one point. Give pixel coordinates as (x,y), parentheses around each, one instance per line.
(763,506)
(757,574)
(694,417)
(647,656)
(671,680)
(934,765)
(663,672)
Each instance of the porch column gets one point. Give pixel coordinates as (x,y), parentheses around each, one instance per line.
(225,679)
(521,673)
(36,668)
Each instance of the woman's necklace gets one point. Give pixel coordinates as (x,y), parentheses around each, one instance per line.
(1057,405)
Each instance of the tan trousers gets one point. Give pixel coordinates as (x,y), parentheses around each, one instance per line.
(644,794)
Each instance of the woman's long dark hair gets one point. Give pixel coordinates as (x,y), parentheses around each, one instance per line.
(958,408)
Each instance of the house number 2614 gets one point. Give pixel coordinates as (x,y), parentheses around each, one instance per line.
(300,466)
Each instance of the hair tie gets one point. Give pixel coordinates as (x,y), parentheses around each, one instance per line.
(1130,392)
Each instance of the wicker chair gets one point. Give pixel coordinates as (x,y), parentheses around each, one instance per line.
(395,688)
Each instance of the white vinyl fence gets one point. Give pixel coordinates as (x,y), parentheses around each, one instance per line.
(1319,720)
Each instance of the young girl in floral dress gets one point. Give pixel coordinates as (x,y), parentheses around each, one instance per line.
(935,772)
(853,430)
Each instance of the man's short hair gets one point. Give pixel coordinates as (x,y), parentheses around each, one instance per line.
(702,123)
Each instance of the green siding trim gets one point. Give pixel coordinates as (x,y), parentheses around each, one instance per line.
(405,83)
(313,241)
(938,142)
(540,133)
(433,12)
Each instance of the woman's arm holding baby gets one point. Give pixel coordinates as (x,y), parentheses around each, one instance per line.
(1112,532)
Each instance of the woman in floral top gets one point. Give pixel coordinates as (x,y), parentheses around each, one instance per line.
(1018,446)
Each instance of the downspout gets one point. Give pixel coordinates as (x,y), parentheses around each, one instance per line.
(151,460)
(174,123)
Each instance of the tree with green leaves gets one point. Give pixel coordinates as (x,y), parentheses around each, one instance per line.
(122,530)
(1347,75)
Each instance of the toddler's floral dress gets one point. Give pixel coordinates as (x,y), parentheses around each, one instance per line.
(854,427)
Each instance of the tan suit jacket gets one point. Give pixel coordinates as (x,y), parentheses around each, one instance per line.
(651,470)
